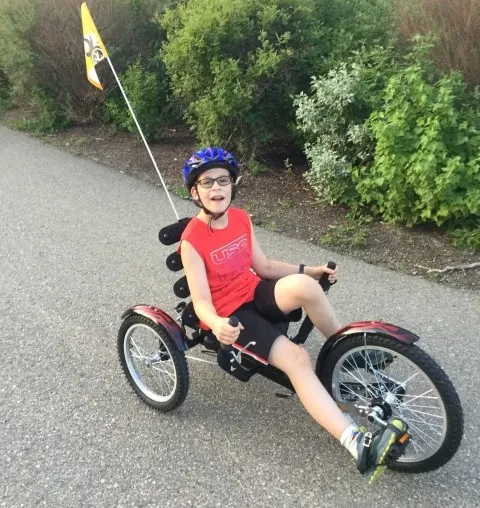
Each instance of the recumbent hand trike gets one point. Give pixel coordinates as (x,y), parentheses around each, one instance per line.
(372,369)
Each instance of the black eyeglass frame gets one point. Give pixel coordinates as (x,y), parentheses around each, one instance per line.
(213,180)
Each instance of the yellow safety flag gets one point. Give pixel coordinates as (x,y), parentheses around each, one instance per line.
(95,51)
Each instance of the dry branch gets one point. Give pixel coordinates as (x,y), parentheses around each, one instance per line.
(448,269)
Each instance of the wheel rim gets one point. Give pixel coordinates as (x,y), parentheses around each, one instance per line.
(150,363)
(360,375)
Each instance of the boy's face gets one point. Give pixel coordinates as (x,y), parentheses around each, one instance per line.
(217,197)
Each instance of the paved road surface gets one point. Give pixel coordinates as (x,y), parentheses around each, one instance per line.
(79,245)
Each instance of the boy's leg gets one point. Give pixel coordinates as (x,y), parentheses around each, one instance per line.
(296,363)
(294,291)
(371,457)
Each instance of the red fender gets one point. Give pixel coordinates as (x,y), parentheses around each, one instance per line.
(369,328)
(376,328)
(161,318)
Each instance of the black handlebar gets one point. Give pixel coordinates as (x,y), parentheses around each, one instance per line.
(233,321)
(324,282)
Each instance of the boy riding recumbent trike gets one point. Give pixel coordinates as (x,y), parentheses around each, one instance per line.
(373,370)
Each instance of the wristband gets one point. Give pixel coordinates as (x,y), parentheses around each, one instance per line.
(301,269)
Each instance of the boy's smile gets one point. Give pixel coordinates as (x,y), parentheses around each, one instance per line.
(217,197)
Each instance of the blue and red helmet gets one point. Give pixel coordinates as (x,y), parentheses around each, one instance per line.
(207,158)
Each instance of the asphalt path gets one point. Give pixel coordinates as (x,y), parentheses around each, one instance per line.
(78,246)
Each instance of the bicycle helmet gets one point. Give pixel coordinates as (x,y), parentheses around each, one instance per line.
(207,158)
(201,161)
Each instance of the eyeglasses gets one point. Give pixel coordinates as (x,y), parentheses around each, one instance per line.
(207,183)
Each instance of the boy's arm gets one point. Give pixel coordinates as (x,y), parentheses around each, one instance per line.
(269,268)
(272,269)
(202,298)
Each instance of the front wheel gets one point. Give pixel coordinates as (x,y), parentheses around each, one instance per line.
(407,383)
(156,370)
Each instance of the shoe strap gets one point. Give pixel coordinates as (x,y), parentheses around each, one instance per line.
(362,461)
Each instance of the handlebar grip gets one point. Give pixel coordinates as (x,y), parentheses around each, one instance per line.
(324,282)
(233,321)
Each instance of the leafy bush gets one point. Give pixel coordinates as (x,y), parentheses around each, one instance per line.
(427,162)
(5,92)
(333,118)
(234,64)
(39,51)
(467,238)
(146,97)
(323,119)
(49,118)
(17,59)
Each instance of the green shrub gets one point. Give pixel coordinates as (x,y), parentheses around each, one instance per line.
(466,238)
(332,121)
(146,97)
(42,47)
(5,92)
(427,155)
(323,120)
(17,60)
(235,64)
(49,117)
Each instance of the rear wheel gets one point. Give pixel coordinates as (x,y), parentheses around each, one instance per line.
(407,383)
(156,370)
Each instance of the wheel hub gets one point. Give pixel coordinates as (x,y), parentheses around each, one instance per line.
(379,408)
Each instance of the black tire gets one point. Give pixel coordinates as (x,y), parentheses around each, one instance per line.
(450,408)
(165,355)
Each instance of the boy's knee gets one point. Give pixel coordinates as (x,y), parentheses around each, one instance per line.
(308,289)
(300,358)
(289,357)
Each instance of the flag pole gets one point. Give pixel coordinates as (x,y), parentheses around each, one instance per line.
(143,137)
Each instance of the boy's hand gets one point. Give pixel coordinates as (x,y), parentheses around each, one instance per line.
(317,271)
(225,333)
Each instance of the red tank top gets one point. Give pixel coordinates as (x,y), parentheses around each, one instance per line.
(227,254)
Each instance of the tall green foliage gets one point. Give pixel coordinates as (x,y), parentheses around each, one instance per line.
(42,48)
(147,98)
(324,120)
(332,121)
(391,135)
(17,59)
(235,64)
(5,91)
(427,160)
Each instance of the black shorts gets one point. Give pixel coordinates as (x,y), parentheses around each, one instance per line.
(259,318)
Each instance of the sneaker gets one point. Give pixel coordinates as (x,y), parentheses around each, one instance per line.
(376,451)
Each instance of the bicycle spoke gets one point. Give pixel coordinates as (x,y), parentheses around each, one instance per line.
(415,397)
(430,425)
(150,362)
(169,374)
(378,378)
(363,399)
(426,436)
(361,381)
(419,412)
(416,445)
